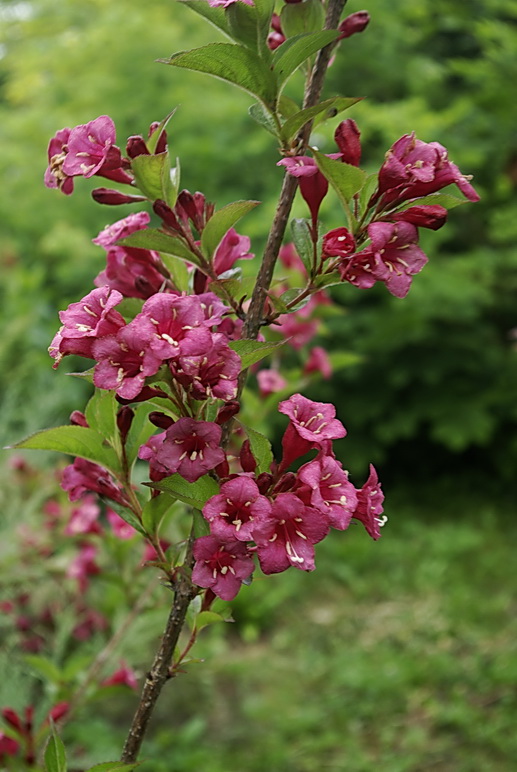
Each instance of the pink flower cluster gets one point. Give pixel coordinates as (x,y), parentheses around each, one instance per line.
(280,516)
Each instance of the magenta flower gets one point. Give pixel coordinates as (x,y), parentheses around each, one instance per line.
(211,374)
(414,168)
(318,362)
(213,309)
(190,448)
(84,322)
(287,537)
(84,518)
(120,528)
(313,185)
(393,257)
(232,247)
(125,360)
(290,258)
(84,477)
(8,746)
(176,321)
(124,676)
(91,146)
(338,243)
(369,505)
(135,273)
(55,177)
(270,381)
(83,566)
(331,491)
(221,565)
(312,421)
(276,37)
(236,510)
(121,229)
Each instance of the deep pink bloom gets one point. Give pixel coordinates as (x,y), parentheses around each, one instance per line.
(124,676)
(176,320)
(298,330)
(84,322)
(121,229)
(414,168)
(84,477)
(369,505)
(313,421)
(221,565)
(83,566)
(319,362)
(232,247)
(236,510)
(348,139)
(213,309)
(84,518)
(432,216)
(287,537)
(313,185)
(90,147)
(135,273)
(55,177)
(393,257)
(213,373)
(190,448)
(353,24)
(270,381)
(126,359)
(59,710)
(338,243)
(331,491)
(120,528)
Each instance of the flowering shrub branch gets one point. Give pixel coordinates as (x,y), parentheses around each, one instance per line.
(174,325)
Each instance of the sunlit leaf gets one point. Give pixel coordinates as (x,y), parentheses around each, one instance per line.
(75,441)
(221,221)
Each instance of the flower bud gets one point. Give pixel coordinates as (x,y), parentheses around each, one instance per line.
(160,420)
(285,483)
(264,481)
(432,216)
(136,146)
(124,420)
(247,458)
(114,197)
(354,23)
(348,139)
(227,411)
(167,215)
(78,419)
(222,470)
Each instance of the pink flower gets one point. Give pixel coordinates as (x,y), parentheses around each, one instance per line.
(287,537)
(289,258)
(235,511)
(313,185)
(55,177)
(221,565)
(84,518)
(414,168)
(124,676)
(8,746)
(318,362)
(135,273)
(270,381)
(232,247)
(90,147)
(369,505)
(211,374)
(120,528)
(83,566)
(276,37)
(84,322)
(174,322)
(393,257)
(121,229)
(190,448)
(312,421)
(84,476)
(331,492)
(126,359)
(338,243)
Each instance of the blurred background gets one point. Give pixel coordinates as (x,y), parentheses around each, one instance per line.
(396,655)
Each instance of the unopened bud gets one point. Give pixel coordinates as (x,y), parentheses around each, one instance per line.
(432,216)
(222,470)
(58,711)
(227,411)
(160,420)
(264,482)
(78,419)
(161,145)
(136,146)
(348,140)
(124,420)
(167,215)
(354,23)
(114,197)
(247,458)
(285,483)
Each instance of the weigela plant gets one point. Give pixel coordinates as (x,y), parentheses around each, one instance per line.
(177,321)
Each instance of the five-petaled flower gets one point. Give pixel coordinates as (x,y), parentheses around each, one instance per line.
(221,565)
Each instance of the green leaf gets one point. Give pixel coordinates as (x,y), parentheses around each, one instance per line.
(130,307)
(152,238)
(329,279)
(206,618)
(233,63)
(101,414)
(194,494)
(155,136)
(288,57)
(287,106)
(55,754)
(346,179)
(236,288)
(140,431)
(251,351)
(216,16)
(289,295)
(45,667)
(178,271)
(261,449)
(368,189)
(298,18)
(152,175)
(76,441)
(434,199)
(201,526)
(221,221)
(114,766)
(302,239)
(263,117)
(327,109)
(126,514)
(154,512)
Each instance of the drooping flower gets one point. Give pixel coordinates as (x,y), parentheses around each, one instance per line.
(121,229)
(231,248)
(221,565)
(189,447)
(90,147)
(287,537)
(86,477)
(424,216)
(312,425)
(213,373)
(270,381)
(235,511)
(313,185)
(331,491)
(55,177)
(369,505)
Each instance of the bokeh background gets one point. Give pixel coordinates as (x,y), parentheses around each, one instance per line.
(398,655)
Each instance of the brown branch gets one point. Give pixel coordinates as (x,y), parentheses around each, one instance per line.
(160,670)
(276,234)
